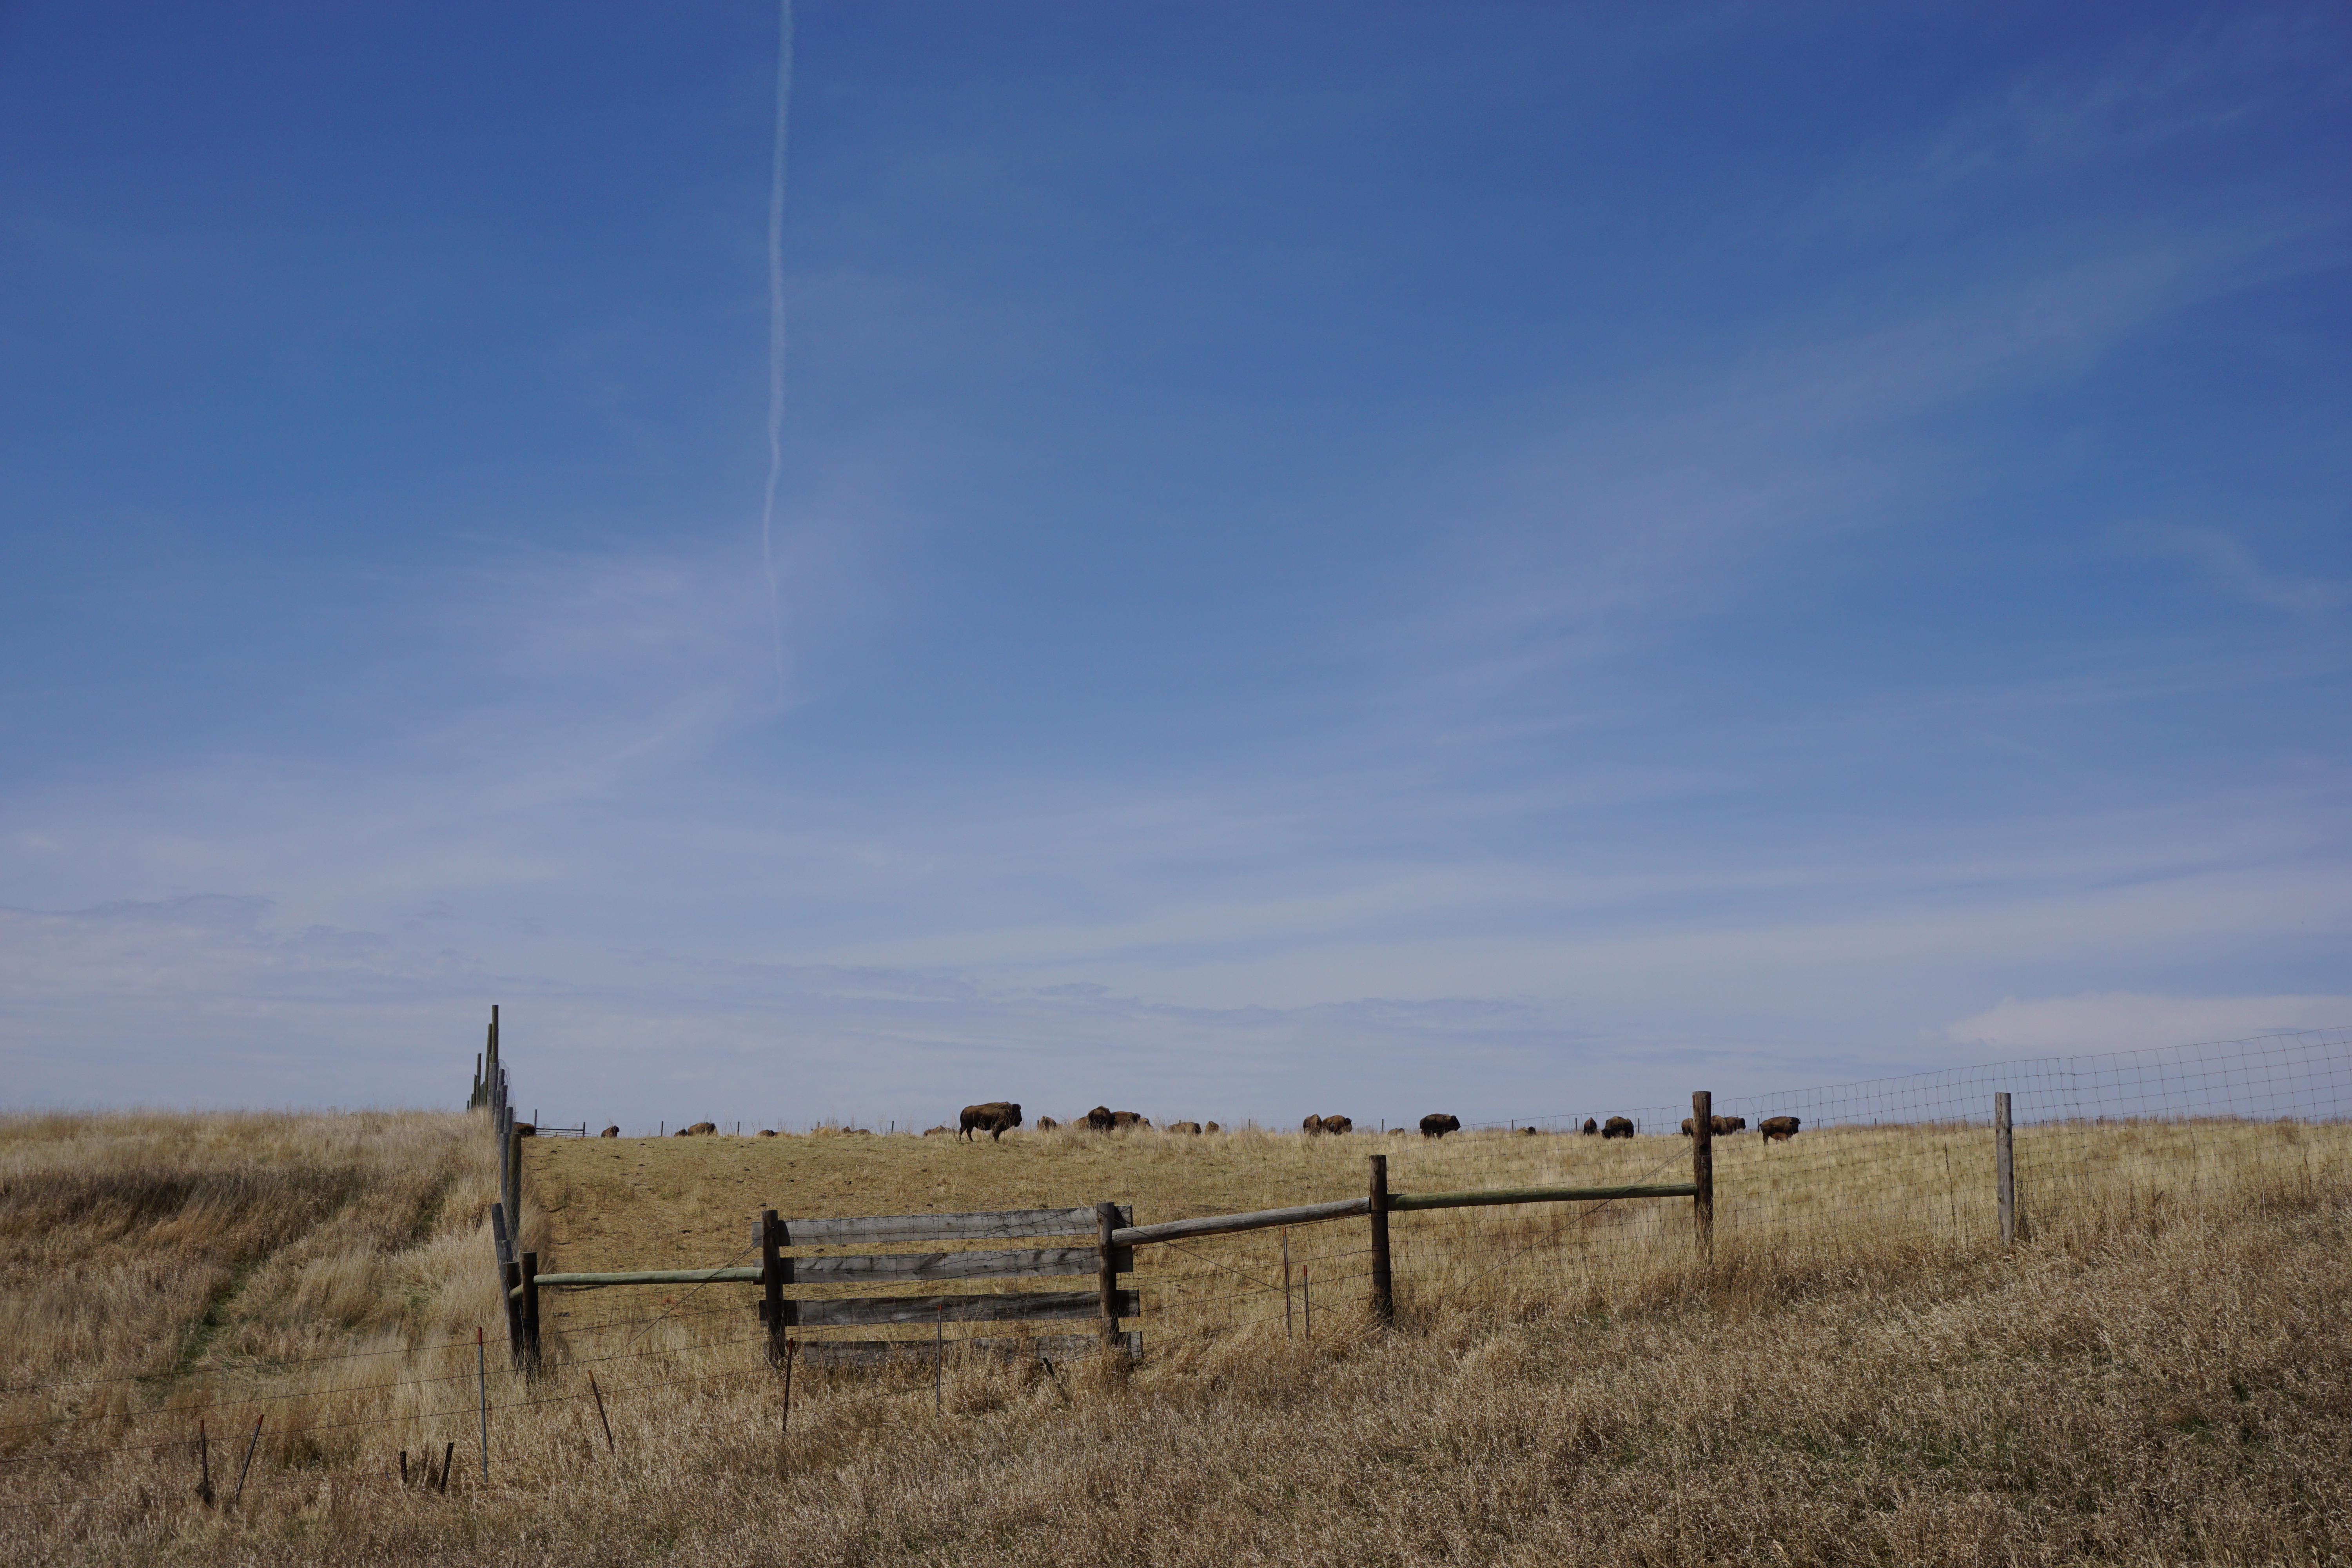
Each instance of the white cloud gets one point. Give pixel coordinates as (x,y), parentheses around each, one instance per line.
(2129,1020)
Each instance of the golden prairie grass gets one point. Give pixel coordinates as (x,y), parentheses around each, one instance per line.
(2162,1372)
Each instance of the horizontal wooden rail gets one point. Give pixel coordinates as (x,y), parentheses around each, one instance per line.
(1227,1223)
(1036,1263)
(1028,1306)
(651,1276)
(1535,1196)
(880,1352)
(1003,1224)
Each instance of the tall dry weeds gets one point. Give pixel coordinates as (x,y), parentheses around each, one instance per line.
(2163,1374)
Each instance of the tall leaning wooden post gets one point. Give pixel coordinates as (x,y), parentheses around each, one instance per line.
(1703,1171)
(513,1196)
(1106,1225)
(2004,1169)
(1383,1283)
(530,1313)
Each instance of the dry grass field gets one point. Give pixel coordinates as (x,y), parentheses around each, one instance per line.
(2162,1372)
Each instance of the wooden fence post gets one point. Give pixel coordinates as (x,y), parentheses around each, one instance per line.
(1383,1284)
(2004,1169)
(513,1196)
(504,1256)
(1703,1171)
(1105,1223)
(509,1278)
(775,1270)
(530,1312)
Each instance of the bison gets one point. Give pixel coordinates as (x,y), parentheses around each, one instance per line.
(526,1130)
(1337,1124)
(1718,1126)
(703,1130)
(1311,1126)
(767,1132)
(1437,1124)
(1128,1121)
(1046,1124)
(1618,1127)
(996,1118)
(1590,1127)
(1193,1127)
(610,1132)
(1101,1119)
(1213,1127)
(1778,1129)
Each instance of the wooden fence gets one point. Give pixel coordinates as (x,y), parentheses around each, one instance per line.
(1111,1256)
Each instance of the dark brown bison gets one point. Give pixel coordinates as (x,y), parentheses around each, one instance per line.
(997,1118)
(1590,1127)
(1527,1131)
(1778,1129)
(1337,1124)
(1193,1127)
(1618,1127)
(1718,1126)
(610,1132)
(703,1130)
(767,1132)
(1311,1126)
(526,1130)
(1046,1124)
(1213,1127)
(1437,1124)
(1127,1120)
(1101,1119)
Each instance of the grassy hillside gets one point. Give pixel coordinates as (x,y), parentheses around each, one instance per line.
(2163,1373)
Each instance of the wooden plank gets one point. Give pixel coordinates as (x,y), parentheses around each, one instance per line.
(1494,1196)
(922,1352)
(1003,1224)
(1038,1263)
(1034,1306)
(1227,1223)
(656,1277)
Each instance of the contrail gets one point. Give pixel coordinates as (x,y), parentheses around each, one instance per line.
(776,333)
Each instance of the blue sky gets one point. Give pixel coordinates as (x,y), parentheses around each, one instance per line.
(1507,558)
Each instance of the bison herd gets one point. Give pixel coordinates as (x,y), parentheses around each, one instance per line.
(998,1117)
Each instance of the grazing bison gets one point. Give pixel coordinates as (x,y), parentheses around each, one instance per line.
(1193,1127)
(1337,1124)
(996,1118)
(1590,1127)
(767,1132)
(1127,1120)
(1618,1127)
(610,1132)
(1213,1127)
(1311,1126)
(703,1130)
(942,1131)
(1046,1124)
(1437,1124)
(526,1130)
(1778,1129)
(1101,1119)
(1527,1131)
